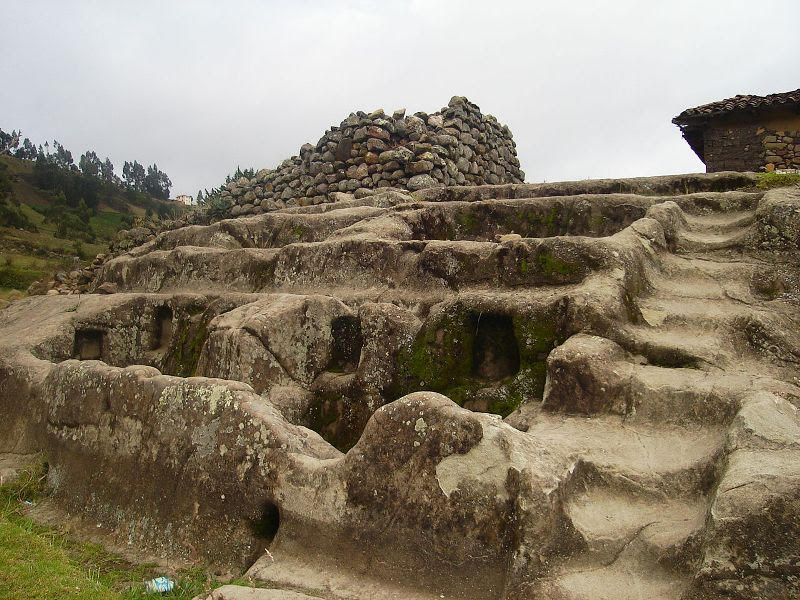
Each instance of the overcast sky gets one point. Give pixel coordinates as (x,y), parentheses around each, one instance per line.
(588,88)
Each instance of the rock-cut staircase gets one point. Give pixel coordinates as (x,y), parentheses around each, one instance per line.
(642,509)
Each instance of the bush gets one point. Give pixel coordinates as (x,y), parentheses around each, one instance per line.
(217,207)
(71,222)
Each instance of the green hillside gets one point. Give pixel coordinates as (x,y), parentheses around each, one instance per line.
(60,219)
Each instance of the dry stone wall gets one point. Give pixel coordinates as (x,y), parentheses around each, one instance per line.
(456,146)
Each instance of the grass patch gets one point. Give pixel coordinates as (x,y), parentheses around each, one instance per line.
(44,239)
(16,166)
(106,223)
(18,276)
(767,181)
(9,294)
(18,270)
(551,264)
(41,563)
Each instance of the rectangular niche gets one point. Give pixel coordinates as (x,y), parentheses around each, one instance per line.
(88,344)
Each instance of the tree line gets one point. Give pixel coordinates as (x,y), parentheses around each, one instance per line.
(76,191)
(55,167)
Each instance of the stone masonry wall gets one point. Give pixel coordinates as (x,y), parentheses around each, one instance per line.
(455,146)
(781,150)
(750,147)
(732,148)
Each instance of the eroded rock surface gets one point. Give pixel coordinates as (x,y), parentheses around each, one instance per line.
(568,391)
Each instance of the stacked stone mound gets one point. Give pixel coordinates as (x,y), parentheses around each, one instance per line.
(569,391)
(455,146)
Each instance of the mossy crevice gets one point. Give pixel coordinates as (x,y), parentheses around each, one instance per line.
(467,221)
(347,342)
(188,337)
(337,418)
(551,265)
(446,357)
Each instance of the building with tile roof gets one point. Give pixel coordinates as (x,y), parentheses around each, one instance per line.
(745,133)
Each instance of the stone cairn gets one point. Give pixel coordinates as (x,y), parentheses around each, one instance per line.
(455,146)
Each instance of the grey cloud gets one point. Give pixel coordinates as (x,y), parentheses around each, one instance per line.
(588,88)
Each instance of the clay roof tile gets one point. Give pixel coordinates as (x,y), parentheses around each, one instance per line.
(737,103)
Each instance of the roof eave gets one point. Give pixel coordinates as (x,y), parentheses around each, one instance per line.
(695,137)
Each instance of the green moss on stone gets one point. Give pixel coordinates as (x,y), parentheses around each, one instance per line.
(441,360)
(552,265)
(467,220)
(596,222)
(184,352)
(535,336)
(550,220)
(441,354)
(768,181)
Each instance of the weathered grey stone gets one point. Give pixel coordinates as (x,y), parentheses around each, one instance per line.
(379,133)
(420,182)
(357,171)
(436,121)
(376,145)
(340,197)
(400,155)
(107,288)
(420,166)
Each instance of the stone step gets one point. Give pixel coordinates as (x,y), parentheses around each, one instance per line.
(191,267)
(645,459)
(697,277)
(346,573)
(590,375)
(711,203)
(609,521)
(627,578)
(720,223)
(705,241)
(705,268)
(271,230)
(702,314)
(361,263)
(688,397)
(677,347)
(239,592)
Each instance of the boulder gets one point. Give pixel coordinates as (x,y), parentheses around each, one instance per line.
(421,182)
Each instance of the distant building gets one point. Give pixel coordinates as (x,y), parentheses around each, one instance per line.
(184,199)
(745,133)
